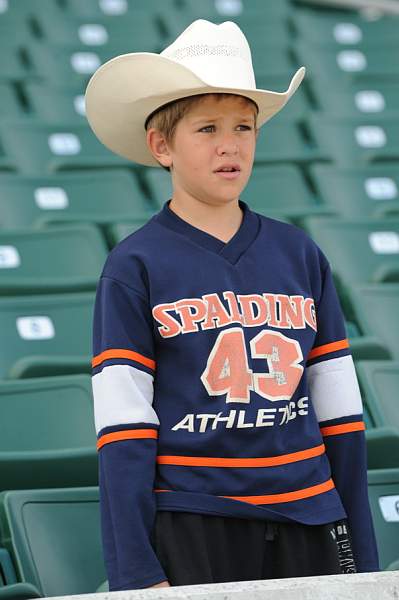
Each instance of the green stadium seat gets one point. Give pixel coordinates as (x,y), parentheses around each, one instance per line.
(47,435)
(40,149)
(158,185)
(285,142)
(375,307)
(54,537)
(276,191)
(19,591)
(55,259)
(56,103)
(393,566)
(7,164)
(103,197)
(45,335)
(384,498)
(360,251)
(371,98)
(11,66)
(382,448)
(72,64)
(236,9)
(347,64)
(280,190)
(114,8)
(119,231)
(343,28)
(371,191)
(9,104)
(379,382)
(103,31)
(356,141)
(297,108)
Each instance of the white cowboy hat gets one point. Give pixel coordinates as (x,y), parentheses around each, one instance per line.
(205,58)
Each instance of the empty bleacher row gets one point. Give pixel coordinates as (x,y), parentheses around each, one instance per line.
(327,163)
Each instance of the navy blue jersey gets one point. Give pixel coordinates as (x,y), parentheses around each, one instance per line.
(223,384)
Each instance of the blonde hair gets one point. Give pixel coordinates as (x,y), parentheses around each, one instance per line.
(166,118)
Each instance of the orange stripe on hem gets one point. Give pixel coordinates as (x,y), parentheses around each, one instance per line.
(326,348)
(120,353)
(127,434)
(272,461)
(344,428)
(314,490)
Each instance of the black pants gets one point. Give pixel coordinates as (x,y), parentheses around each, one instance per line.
(197,548)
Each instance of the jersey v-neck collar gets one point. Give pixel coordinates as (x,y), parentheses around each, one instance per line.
(231,250)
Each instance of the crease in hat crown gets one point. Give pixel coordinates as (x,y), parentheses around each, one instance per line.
(205,58)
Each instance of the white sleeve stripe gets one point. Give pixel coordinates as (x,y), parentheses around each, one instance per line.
(123,394)
(334,388)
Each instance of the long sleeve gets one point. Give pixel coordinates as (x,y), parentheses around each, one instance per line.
(335,394)
(127,432)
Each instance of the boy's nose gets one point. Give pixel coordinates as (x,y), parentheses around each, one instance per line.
(227,146)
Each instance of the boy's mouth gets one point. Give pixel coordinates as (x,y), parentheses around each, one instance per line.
(229,171)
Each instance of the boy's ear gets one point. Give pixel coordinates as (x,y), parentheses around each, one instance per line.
(159,147)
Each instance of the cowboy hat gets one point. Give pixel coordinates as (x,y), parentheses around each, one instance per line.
(205,58)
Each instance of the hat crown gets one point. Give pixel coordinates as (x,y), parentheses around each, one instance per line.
(218,54)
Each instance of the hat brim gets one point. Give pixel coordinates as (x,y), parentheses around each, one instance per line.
(126,89)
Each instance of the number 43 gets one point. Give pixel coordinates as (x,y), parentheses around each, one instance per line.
(227,370)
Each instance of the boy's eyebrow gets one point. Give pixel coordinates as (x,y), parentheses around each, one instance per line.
(211,119)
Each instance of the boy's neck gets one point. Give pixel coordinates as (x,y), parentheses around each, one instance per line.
(221,221)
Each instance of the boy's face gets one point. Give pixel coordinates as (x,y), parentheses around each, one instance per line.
(214,134)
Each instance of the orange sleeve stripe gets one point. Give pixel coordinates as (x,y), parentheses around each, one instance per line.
(344,428)
(326,348)
(272,461)
(308,492)
(120,353)
(127,434)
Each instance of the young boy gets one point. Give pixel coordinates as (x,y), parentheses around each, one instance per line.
(229,419)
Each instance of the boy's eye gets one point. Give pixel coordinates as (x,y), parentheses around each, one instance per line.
(209,128)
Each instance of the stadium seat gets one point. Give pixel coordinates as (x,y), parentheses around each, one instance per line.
(285,142)
(371,98)
(9,104)
(343,28)
(47,435)
(382,448)
(56,103)
(235,9)
(113,8)
(384,502)
(297,109)
(54,538)
(11,66)
(119,231)
(280,189)
(370,191)
(356,141)
(72,64)
(41,149)
(360,251)
(347,64)
(105,197)
(103,31)
(57,259)
(19,591)
(273,190)
(46,334)
(375,307)
(379,382)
